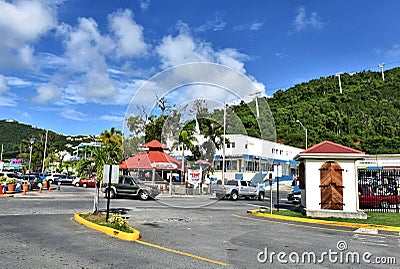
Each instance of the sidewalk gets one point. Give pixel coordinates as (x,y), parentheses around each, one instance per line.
(326,222)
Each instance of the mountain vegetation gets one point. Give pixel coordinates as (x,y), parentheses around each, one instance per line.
(15,136)
(365,116)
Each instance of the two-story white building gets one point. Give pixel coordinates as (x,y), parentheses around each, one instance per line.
(249,158)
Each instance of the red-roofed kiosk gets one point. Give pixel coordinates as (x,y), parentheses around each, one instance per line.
(153,159)
(328,180)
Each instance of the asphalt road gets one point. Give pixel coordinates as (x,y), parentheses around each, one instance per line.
(37,231)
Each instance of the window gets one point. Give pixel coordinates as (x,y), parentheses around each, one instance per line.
(228,145)
(245,146)
(233,144)
(243,183)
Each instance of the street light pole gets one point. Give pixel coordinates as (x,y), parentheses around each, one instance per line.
(138,171)
(31,141)
(305,129)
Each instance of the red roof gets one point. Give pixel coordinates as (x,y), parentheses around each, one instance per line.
(154,157)
(155,144)
(330,147)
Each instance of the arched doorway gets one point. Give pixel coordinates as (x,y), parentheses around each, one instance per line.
(331,186)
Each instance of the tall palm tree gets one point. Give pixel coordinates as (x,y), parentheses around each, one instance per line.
(112,136)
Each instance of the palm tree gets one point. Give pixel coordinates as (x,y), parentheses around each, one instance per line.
(112,136)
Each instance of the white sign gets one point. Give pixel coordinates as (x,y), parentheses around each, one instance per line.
(194,176)
(114,173)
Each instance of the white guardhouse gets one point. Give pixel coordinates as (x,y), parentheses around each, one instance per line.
(328,180)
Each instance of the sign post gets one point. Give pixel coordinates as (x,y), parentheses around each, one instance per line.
(270,193)
(110,175)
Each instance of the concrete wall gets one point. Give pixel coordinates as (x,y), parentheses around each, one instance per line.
(313,193)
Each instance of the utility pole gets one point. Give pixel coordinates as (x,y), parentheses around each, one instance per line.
(44,152)
(256,98)
(340,83)
(382,66)
(223,147)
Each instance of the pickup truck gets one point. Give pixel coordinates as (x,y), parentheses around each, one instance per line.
(376,197)
(234,189)
(130,186)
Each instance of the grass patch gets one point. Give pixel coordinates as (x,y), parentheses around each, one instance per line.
(114,221)
(375,218)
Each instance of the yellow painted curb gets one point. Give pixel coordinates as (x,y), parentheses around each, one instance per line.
(327,222)
(109,231)
(6,195)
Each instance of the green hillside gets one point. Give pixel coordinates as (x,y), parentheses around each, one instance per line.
(365,116)
(14,137)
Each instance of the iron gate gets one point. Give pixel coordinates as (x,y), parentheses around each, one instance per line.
(379,190)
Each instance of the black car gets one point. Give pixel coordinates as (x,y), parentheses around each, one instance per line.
(130,186)
(294,197)
(34,180)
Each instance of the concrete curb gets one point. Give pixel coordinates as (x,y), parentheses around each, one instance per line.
(326,222)
(6,195)
(109,231)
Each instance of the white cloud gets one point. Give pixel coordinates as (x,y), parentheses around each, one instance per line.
(144,4)
(21,24)
(216,24)
(85,46)
(18,82)
(72,114)
(304,21)
(281,55)
(183,48)
(7,101)
(47,93)
(3,85)
(98,86)
(394,51)
(255,26)
(111,118)
(129,34)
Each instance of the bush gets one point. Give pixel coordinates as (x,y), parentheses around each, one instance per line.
(11,181)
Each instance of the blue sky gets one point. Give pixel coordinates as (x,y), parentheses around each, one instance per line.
(73,66)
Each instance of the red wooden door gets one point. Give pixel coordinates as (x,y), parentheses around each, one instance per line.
(331,186)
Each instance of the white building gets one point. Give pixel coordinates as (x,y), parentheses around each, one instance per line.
(250,158)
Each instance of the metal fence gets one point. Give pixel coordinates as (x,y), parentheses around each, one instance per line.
(379,190)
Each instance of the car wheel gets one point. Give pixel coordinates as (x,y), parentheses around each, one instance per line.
(143,195)
(77,184)
(234,196)
(112,194)
(261,196)
(84,185)
(385,204)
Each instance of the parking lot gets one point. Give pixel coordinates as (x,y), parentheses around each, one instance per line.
(194,232)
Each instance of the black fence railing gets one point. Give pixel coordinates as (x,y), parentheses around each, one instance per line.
(379,190)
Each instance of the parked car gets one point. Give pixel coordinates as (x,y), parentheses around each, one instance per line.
(84,182)
(379,196)
(34,180)
(294,197)
(75,181)
(130,186)
(234,189)
(52,177)
(64,179)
